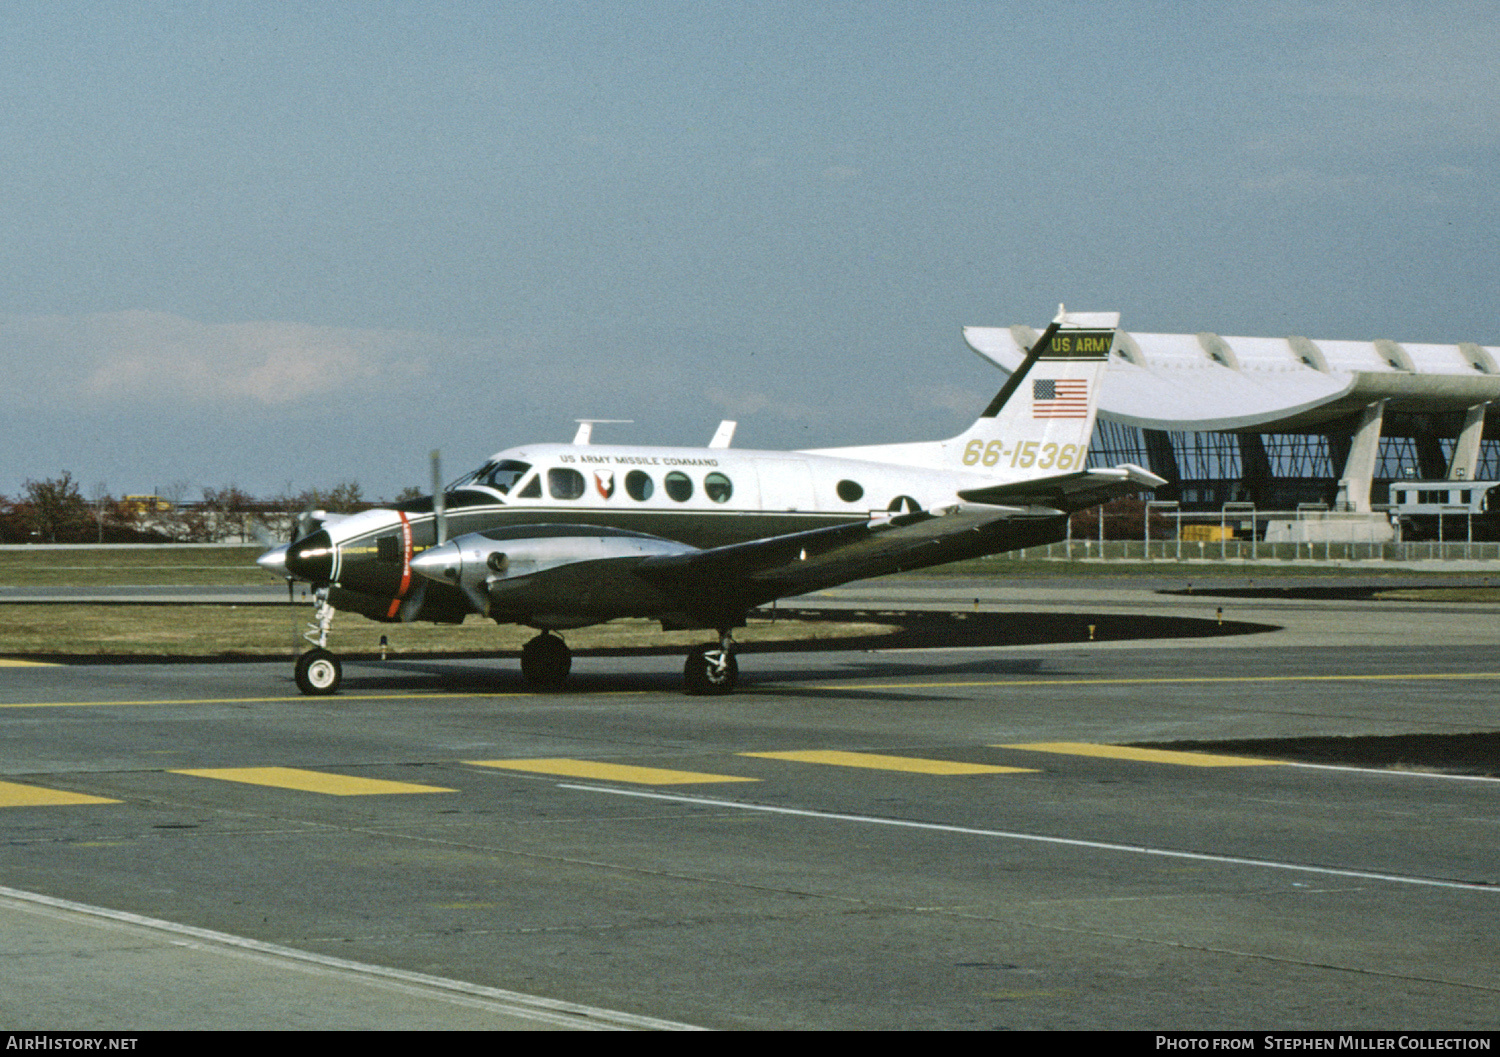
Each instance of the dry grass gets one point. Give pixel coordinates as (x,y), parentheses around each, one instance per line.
(208,631)
(132,566)
(1441,594)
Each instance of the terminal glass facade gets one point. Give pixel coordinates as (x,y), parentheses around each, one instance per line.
(1272,470)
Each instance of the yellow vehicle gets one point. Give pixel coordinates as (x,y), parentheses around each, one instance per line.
(147,504)
(1206,533)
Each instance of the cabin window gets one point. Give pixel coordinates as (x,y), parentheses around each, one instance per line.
(849,491)
(563,483)
(679,486)
(638,485)
(718,487)
(504,475)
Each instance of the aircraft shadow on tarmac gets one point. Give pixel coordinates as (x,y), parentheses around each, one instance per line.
(1469,754)
(915,630)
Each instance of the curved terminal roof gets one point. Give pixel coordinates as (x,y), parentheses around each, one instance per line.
(1192,382)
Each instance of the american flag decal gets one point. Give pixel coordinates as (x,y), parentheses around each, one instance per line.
(1060,398)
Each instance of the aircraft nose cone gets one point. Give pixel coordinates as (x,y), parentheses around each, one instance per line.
(442,563)
(274,560)
(311,558)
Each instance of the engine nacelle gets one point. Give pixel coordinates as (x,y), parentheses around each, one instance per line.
(518,574)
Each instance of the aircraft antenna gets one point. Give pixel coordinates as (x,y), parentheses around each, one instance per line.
(586,427)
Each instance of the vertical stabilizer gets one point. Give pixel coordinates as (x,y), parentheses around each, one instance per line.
(1040,423)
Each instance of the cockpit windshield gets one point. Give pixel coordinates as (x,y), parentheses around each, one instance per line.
(500,476)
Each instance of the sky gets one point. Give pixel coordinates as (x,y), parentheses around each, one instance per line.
(283,246)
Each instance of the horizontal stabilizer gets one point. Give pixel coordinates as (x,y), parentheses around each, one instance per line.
(1068,492)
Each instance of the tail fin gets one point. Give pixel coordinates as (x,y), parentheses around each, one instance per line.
(1040,423)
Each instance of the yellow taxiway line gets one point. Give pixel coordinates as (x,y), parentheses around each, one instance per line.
(428,696)
(1168,680)
(1126,752)
(439,695)
(14,794)
(311,781)
(608,772)
(877,762)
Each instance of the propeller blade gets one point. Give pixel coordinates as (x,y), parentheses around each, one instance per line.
(262,533)
(439,500)
(412,603)
(304,524)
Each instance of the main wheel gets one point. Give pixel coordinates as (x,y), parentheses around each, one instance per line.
(546,661)
(318,673)
(710,670)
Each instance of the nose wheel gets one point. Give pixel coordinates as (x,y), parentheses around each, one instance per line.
(318,673)
(711,669)
(546,661)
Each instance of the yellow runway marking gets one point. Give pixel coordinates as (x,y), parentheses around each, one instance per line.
(609,772)
(1165,681)
(876,762)
(452,695)
(311,781)
(13,794)
(1124,752)
(8,663)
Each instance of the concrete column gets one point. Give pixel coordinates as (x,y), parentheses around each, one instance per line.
(1466,451)
(1359,468)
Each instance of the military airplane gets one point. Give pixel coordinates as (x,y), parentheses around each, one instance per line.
(560,536)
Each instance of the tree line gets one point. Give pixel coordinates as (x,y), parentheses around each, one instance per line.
(55,510)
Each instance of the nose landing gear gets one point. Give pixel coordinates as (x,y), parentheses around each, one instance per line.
(318,672)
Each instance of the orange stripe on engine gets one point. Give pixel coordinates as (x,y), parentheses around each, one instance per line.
(405,567)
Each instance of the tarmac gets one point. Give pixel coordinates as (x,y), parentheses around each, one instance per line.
(1132,832)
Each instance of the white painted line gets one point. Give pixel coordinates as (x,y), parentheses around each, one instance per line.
(1394,772)
(514,1003)
(1133,849)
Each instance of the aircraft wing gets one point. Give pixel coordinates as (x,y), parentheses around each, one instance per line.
(758,571)
(1068,492)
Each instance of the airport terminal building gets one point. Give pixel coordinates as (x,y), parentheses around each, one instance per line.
(1294,423)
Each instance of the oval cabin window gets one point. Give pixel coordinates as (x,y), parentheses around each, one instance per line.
(679,486)
(638,485)
(718,487)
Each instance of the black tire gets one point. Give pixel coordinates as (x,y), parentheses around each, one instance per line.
(546,662)
(702,675)
(319,673)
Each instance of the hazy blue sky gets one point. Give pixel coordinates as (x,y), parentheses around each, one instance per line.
(292,244)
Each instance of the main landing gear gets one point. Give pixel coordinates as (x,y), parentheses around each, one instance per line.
(546,661)
(318,672)
(711,669)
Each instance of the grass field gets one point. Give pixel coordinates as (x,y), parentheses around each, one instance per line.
(224,630)
(131,566)
(228,631)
